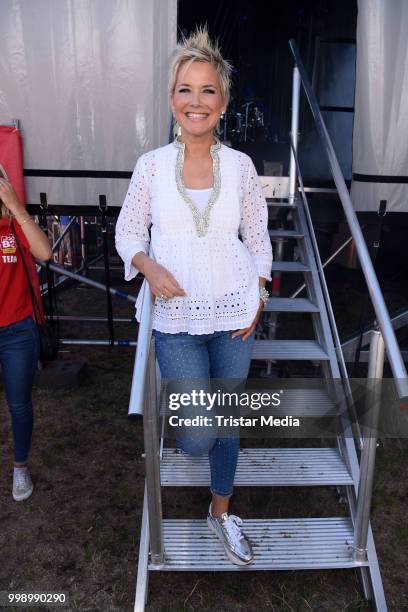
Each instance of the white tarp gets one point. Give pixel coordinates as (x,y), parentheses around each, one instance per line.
(88,81)
(381,104)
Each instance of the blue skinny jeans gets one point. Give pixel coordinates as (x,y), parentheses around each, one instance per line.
(185,359)
(19,349)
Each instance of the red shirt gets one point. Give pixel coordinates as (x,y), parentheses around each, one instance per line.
(15,297)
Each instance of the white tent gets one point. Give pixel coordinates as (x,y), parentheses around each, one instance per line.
(380,151)
(88,82)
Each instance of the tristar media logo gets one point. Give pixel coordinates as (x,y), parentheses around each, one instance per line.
(8,244)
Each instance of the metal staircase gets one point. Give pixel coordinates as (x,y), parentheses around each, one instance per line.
(168,544)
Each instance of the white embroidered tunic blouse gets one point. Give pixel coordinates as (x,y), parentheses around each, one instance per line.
(219,270)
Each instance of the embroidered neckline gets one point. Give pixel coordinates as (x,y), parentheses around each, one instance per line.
(201,220)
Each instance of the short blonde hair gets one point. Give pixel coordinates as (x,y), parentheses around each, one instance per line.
(198,47)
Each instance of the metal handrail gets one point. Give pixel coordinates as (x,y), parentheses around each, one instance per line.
(380,308)
(137,394)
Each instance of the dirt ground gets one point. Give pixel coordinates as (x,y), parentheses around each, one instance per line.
(79,532)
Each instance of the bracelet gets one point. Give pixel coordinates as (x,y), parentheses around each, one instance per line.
(25,221)
(263,294)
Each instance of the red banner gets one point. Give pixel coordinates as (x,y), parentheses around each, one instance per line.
(11,158)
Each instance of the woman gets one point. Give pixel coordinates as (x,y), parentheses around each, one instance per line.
(19,343)
(209,285)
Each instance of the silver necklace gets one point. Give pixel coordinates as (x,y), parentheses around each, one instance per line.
(201,221)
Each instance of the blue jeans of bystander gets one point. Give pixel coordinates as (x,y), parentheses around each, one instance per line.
(19,349)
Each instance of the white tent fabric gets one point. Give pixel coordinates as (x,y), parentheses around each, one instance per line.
(381,105)
(88,81)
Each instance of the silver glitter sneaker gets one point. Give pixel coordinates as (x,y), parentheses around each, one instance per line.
(235,542)
(22,485)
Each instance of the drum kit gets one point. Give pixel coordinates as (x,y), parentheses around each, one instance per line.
(244,125)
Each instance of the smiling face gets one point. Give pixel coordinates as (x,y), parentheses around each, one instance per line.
(197,101)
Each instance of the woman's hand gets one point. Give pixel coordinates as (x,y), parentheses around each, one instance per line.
(162,283)
(247,331)
(9,198)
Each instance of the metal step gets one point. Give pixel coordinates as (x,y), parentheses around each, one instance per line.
(278,304)
(278,544)
(288,349)
(280,233)
(289,266)
(278,204)
(261,467)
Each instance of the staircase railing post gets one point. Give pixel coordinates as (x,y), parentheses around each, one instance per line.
(367,461)
(152,460)
(294,131)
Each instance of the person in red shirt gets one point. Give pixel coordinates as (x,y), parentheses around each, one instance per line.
(19,342)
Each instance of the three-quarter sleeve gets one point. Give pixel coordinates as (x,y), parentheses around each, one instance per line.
(132,227)
(254,222)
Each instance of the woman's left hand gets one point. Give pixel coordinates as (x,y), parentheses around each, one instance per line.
(247,331)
